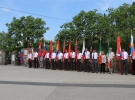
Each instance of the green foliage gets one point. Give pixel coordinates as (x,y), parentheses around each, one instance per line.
(92,26)
(21,31)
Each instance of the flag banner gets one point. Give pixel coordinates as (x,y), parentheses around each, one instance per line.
(100,50)
(32,53)
(91,46)
(69,49)
(27,51)
(83,49)
(118,48)
(21,56)
(76,48)
(57,48)
(108,56)
(39,49)
(64,46)
(131,44)
(51,49)
(44,48)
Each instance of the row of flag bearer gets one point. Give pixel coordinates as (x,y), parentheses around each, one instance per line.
(85,58)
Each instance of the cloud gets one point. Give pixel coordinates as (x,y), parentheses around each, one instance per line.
(105,4)
(5,9)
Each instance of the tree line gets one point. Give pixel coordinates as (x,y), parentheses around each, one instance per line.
(90,25)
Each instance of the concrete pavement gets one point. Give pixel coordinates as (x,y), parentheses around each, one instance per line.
(22,83)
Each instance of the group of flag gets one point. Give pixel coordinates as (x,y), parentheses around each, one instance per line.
(42,51)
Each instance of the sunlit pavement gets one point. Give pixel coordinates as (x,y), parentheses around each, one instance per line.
(23,83)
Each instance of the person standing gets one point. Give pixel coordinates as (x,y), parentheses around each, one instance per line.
(41,60)
(72,59)
(60,56)
(124,59)
(35,59)
(94,61)
(47,60)
(111,60)
(87,63)
(79,56)
(66,60)
(53,60)
(102,65)
(29,58)
(132,59)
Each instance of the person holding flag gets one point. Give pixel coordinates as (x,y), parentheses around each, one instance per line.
(35,59)
(102,65)
(53,60)
(111,60)
(47,60)
(87,60)
(132,54)
(29,58)
(72,59)
(94,61)
(124,60)
(79,56)
(60,56)
(66,60)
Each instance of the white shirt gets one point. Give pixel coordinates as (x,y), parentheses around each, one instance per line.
(125,55)
(79,55)
(29,56)
(47,55)
(95,55)
(111,55)
(103,59)
(35,54)
(87,55)
(72,55)
(53,55)
(66,55)
(60,55)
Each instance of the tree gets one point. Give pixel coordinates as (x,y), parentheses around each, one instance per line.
(25,29)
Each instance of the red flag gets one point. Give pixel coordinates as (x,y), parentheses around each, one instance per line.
(69,49)
(76,48)
(39,49)
(44,48)
(51,48)
(118,48)
(64,46)
(57,47)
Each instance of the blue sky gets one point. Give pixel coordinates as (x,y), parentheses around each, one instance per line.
(63,9)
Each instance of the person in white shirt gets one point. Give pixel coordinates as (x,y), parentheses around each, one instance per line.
(111,60)
(102,65)
(94,61)
(60,57)
(47,61)
(29,59)
(72,59)
(41,60)
(87,59)
(53,60)
(66,60)
(35,59)
(124,59)
(79,56)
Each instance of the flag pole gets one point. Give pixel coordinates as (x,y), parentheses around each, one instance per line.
(119,61)
(131,60)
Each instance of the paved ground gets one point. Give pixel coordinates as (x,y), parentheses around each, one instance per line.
(22,83)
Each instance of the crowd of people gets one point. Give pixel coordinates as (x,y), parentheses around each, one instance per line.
(69,61)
